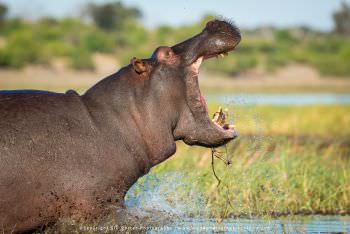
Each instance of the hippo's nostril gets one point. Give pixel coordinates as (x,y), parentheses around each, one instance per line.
(211,24)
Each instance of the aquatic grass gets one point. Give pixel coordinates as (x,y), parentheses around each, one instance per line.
(275,171)
(300,180)
(288,183)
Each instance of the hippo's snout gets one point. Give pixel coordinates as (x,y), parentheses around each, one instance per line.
(230,34)
(217,38)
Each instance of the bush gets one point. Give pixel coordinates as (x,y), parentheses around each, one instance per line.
(332,65)
(329,56)
(344,51)
(133,35)
(275,61)
(163,35)
(57,49)
(246,62)
(21,49)
(97,41)
(81,60)
(284,36)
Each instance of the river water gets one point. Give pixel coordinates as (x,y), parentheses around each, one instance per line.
(310,224)
(294,99)
(154,200)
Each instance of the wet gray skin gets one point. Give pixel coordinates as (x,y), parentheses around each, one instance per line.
(63,155)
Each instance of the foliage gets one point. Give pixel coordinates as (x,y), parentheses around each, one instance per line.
(342,20)
(3,12)
(81,60)
(30,43)
(21,49)
(116,31)
(112,15)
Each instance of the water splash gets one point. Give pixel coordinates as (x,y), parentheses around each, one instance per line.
(161,197)
(241,109)
(168,194)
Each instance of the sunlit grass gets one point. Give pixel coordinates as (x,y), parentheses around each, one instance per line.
(295,161)
(326,121)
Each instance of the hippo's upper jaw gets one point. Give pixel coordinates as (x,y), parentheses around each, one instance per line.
(217,39)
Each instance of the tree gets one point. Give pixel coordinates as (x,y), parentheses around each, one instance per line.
(342,20)
(3,12)
(112,15)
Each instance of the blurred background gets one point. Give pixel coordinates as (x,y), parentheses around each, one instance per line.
(298,46)
(286,87)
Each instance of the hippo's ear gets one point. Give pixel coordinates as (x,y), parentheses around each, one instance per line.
(139,65)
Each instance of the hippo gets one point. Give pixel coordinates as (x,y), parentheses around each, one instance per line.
(65,155)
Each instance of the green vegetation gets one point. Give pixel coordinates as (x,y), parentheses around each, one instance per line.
(284,163)
(115,29)
(3,12)
(111,16)
(327,53)
(342,19)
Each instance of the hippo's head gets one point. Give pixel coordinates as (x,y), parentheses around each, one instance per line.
(173,74)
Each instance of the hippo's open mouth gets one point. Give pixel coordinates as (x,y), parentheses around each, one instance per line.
(217,39)
(219,118)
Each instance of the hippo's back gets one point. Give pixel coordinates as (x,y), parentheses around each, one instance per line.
(39,125)
(36,117)
(42,133)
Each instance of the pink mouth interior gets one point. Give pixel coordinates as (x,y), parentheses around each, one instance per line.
(195,68)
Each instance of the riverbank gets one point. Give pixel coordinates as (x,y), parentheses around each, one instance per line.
(294,78)
(290,79)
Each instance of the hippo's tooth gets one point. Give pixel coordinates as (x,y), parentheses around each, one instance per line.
(222,55)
